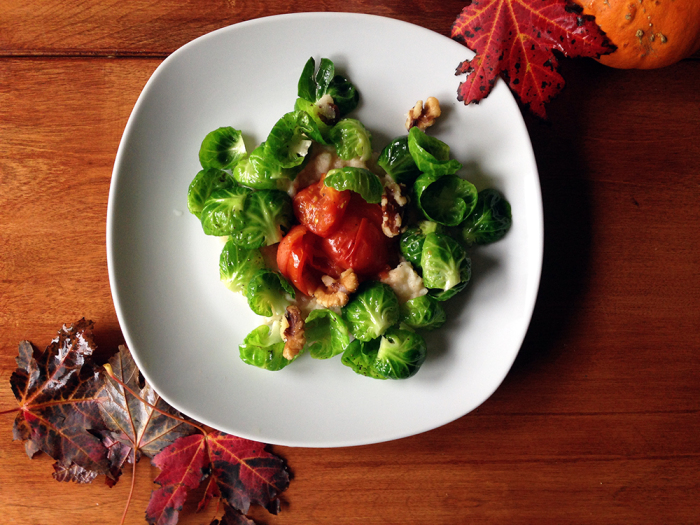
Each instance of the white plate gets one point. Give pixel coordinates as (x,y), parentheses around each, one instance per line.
(184,327)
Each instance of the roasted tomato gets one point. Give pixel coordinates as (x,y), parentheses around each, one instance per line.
(358,242)
(293,257)
(302,260)
(320,208)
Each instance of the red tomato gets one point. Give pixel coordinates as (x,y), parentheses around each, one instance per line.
(359,242)
(293,260)
(321,208)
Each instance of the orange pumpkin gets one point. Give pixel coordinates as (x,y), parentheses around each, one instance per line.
(648,33)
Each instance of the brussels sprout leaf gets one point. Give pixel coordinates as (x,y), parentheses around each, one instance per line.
(237,266)
(489,221)
(222,148)
(351,140)
(205,183)
(263,348)
(345,95)
(446,267)
(398,354)
(326,334)
(423,312)
(290,138)
(313,84)
(266,216)
(359,180)
(397,161)
(360,356)
(261,171)
(411,241)
(266,293)
(221,210)
(445,199)
(431,155)
(372,311)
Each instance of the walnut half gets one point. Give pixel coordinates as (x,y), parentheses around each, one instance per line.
(293,332)
(392,203)
(336,293)
(423,116)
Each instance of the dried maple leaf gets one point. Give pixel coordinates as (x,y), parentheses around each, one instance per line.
(55,390)
(241,472)
(72,472)
(516,39)
(137,417)
(233,517)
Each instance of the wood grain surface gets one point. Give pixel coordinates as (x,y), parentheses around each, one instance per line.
(597,422)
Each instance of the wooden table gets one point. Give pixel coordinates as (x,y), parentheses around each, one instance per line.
(597,421)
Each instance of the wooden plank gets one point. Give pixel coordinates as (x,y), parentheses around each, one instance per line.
(139,27)
(597,422)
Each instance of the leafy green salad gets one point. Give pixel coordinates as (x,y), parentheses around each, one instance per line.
(343,250)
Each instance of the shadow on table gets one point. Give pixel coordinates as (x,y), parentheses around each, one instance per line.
(566,196)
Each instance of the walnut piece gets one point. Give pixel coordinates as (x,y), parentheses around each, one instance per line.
(336,293)
(392,207)
(422,116)
(292,332)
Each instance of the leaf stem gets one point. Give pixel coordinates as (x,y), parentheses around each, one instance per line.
(108,370)
(11,411)
(131,490)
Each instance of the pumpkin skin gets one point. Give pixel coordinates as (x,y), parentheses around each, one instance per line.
(648,33)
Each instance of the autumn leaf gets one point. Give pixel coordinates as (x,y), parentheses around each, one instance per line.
(92,420)
(233,517)
(241,472)
(517,39)
(137,417)
(56,393)
(72,472)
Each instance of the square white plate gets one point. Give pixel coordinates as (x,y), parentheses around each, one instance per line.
(184,327)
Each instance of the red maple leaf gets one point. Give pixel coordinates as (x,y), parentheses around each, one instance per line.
(516,39)
(242,473)
(56,393)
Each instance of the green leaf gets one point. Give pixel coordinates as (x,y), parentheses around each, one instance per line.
(351,140)
(291,137)
(359,180)
(446,267)
(326,333)
(431,155)
(222,210)
(345,95)
(237,266)
(400,355)
(397,161)
(423,312)
(360,356)
(222,148)
(372,311)
(490,220)
(263,348)
(445,199)
(262,172)
(206,182)
(267,292)
(312,87)
(265,218)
